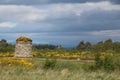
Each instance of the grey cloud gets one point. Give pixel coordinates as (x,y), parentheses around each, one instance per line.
(89,21)
(41,2)
(23,2)
(115,1)
(63,20)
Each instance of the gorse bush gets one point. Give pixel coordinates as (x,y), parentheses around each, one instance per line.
(13,62)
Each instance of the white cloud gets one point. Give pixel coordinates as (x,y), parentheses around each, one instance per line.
(104,5)
(7,24)
(106,33)
(21,13)
(69,9)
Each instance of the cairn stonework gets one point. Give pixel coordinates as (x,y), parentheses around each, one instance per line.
(23,47)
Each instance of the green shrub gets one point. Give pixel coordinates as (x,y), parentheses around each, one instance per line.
(49,64)
(105,63)
(117,63)
(108,64)
(98,62)
(88,67)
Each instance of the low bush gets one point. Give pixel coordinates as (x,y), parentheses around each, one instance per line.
(49,64)
(117,63)
(108,64)
(103,63)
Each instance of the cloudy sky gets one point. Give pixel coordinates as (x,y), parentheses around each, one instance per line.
(60,22)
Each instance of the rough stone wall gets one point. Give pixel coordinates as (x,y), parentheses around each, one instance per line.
(23,49)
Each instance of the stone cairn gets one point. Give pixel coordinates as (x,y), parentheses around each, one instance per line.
(23,47)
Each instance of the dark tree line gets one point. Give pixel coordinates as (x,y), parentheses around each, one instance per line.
(46,46)
(5,47)
(101,46)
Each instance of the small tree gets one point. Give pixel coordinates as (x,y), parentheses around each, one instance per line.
(108,44)
(88,46)
(3,43)
(81,46)
(99,47)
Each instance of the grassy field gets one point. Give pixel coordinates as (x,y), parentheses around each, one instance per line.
(63,70)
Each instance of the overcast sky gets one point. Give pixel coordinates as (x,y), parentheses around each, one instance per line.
(60,22)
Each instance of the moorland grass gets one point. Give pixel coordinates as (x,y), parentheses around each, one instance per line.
(63,70)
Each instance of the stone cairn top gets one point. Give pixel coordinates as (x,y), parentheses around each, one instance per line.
(23,47)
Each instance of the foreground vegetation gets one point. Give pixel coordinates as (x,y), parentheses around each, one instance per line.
(47,69)
(64,74)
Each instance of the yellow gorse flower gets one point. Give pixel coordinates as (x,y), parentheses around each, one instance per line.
(0,62)
(7,54)
(15,61)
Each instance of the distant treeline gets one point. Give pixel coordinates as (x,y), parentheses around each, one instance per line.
(101,46)
(45,46)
